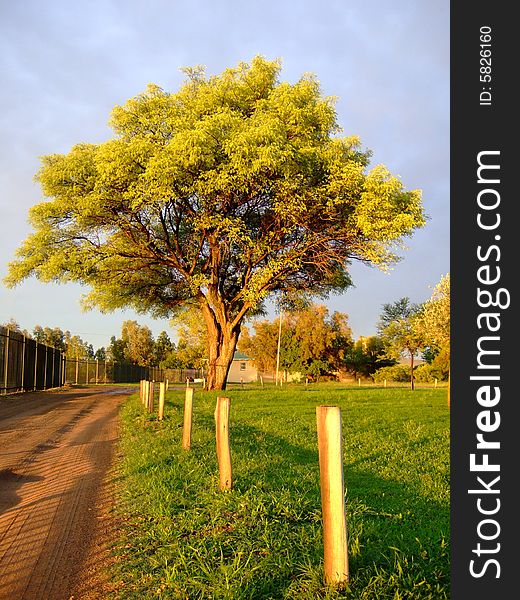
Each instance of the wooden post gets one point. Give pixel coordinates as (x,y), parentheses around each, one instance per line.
(385,382)
(150,396)
(359,382)
(223,450)
(144,398)
(332,488)
(162,390)
(141,391)
(167,385)
(436,382)
(188,415)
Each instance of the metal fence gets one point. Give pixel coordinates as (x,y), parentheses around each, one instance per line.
(87,371)
(27,365)
(180,375)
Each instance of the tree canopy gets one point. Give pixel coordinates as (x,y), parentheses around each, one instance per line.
(399,332)
(313,342)
(234,187)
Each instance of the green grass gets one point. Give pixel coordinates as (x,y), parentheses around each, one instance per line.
(185,539)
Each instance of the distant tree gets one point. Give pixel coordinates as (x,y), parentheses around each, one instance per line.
(163,349)
(116,350)
(53,337)
(398,330)
(312,341)
(261,346)
(433,324)
(192,343)
(12,325)
(139,348)
(236,187)
(100,353)
(75,347)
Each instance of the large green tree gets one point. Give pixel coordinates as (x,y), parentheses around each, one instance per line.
(234,187)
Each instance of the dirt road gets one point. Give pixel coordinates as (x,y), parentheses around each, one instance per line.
(56,450)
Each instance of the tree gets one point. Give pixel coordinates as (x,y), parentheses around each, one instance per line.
(434,323)
(163,348)
(100,353)
(233,188)
(53,337)
(312,341)
(192,349)
(75,347)
(367,355)
(116,350)
(398,330)
(12,325)
(139,343)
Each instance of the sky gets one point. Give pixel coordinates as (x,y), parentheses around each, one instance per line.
(64,66)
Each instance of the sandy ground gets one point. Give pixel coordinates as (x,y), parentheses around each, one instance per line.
(56,453)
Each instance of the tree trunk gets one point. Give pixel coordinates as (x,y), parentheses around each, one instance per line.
(222,338)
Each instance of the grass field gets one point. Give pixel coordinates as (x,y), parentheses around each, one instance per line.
(185,539)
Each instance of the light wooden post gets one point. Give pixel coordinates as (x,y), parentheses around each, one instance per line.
(150,396)
(162,390)
(223,449)
(142,395)
(145,393)
(385,382)
(167,385)
(359,382)
(188,415)
(332,494)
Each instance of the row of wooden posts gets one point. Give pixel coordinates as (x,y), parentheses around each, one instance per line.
(332,487)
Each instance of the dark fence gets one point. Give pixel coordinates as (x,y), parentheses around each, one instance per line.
(27,365)
(87,371)
(180,375)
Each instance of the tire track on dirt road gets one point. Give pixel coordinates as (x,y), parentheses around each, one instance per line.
(56,449)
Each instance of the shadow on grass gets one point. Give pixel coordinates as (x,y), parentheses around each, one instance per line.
(391,525)
(395,533)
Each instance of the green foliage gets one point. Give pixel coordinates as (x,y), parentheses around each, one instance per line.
(433,322)
(313,342)
(235,187)
(399,373)
(366,355)
(116,350)
(163,349)
(427,373)
(183,538)
(192,350)
(139,343)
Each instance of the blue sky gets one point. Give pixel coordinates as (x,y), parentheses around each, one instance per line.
(64,66)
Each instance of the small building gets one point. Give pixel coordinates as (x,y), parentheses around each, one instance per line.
(242,369)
